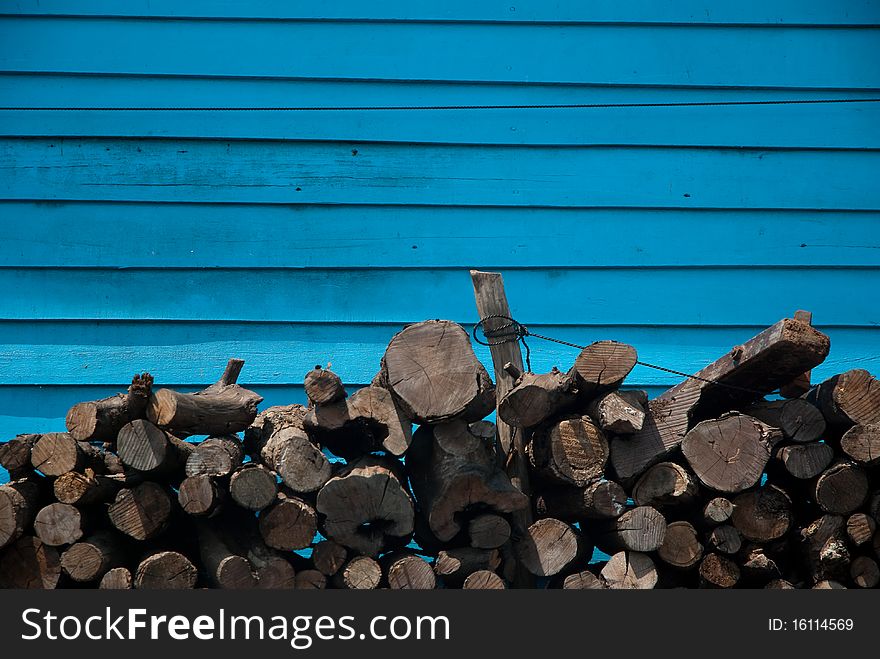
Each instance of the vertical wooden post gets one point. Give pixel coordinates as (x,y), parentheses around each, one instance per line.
(801,384)
(492,300)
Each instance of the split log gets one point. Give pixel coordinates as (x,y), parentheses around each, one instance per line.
(118,578)
(799,420)
(329,557)
(665,484)
(619,412)
(216,456)
(409,572)
(146,448)
(717,511)
(640,529)
(806,461)
(82,489)
(483,580)
(224,408)
(862,443)
(598,500)
(367,421)
(30,563)
(225,568)
(290,523)
(630,570)
(848,399)
(360,573)
(60,524)
(453,473)
(725,539)
(310,580)
(15,454)
(91,558)
(860,528)
(548,547)
(141,512)
(323,386)
(583,581)
(841,488)
(19,504)
(571,451)
(603,366)
(825,548)
(716,571)
(200,496)
(488,531)
(536,398)
(762,364)
(166,570)
(729,454)
(253,487)
(434,375)
(681,547)
(453,566)
(56,453)
(763,514)
(101,420)
(278,437)
(864,572)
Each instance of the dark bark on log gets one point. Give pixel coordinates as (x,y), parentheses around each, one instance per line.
(640,529)
(91,558)
(488,531)
(433,373)
(483,580)
(848,399)
(725,539)
(141,512)
(453,566)
(862,444)
(536,398)
(15,455)
(329,557)
(571,451)
(200,496)
(82,489)
(598,500)
(166,570)
(224,408)
(630,570)
(805,461)
(101,420)
(763,514)
(148,449)
(548,547)
(729,454)
(841,488)
(323,386)
(763,363)
(619,412)
(453,474)
(681,547)
(864,572)
(253,487)
(860,528)
(367,421)
(310,580)
(408,572)
(799,420)
(19,503)
(603,366)
(217,456)
(56,453)
(718,572)
(360,573)
(29,563)
(666,484)
(289,524)
(717,511)
(60,524)
(825,548)
(119,578)
(225,568)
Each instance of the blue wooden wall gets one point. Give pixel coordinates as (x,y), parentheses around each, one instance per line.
(168,239)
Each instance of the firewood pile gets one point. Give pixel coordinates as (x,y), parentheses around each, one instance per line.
(715,483)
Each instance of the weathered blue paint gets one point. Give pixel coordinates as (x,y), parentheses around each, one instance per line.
(171,240)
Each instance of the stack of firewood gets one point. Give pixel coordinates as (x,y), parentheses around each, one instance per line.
(708,485)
